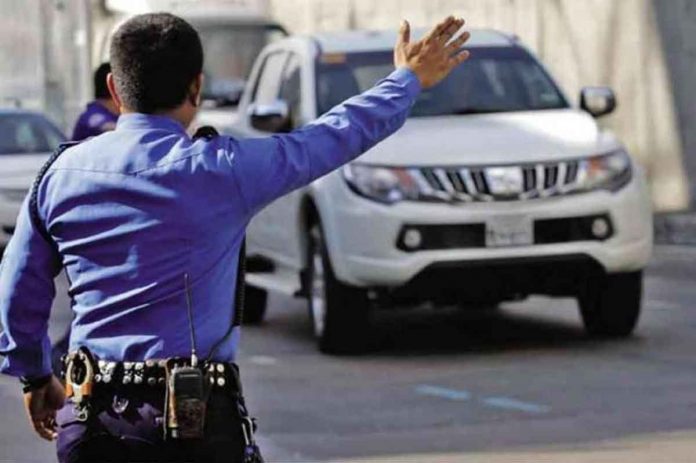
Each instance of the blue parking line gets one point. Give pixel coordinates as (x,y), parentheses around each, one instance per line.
(514,404)
(443,392)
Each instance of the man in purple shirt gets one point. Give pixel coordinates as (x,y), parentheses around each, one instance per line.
(148,225)
(101,114)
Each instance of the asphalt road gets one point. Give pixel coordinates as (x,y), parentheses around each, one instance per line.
(521,383)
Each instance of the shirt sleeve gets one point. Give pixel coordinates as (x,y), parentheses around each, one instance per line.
(267,168)
(27,271)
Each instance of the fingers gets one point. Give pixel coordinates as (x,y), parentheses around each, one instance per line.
(455,45)
(451,30)
(404,33)
(458,59)
(436,31)
(45,426)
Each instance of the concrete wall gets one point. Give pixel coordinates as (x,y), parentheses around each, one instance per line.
(41,58)
(635,46)
(676,20)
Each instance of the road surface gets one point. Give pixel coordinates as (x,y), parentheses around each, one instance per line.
(517,384)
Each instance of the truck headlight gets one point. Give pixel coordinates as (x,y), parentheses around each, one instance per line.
(384,184)
(610,171)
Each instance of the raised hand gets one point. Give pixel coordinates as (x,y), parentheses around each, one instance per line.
(434,56)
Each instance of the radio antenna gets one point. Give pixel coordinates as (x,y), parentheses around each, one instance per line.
(189,308)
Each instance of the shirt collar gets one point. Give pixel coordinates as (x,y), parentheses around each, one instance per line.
(148,121)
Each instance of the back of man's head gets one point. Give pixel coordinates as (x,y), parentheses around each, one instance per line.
(154,60)
(101,90)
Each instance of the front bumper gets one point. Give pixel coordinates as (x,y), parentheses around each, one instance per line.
(363,236)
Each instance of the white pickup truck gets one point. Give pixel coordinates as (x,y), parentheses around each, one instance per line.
(496,188)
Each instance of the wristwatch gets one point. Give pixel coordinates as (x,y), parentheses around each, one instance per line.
(30,384)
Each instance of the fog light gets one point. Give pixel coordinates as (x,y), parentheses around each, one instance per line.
(412,238)
(600,227)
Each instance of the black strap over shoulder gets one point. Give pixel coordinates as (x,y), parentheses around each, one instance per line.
(34,198)
(210,133)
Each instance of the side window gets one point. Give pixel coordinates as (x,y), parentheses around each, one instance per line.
(290,89)
(268,85)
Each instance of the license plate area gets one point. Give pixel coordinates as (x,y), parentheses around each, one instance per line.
(507,231)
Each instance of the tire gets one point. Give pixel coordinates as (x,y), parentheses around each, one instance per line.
(610,305)
(339,313)
(255,301)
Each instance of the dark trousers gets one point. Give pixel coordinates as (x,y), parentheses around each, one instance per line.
(135,434)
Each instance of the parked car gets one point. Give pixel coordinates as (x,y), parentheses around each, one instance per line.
(496,188)
(27,139)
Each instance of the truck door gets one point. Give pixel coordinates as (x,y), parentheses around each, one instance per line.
(273,232)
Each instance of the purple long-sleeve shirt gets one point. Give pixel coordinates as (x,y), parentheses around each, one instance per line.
(133,210)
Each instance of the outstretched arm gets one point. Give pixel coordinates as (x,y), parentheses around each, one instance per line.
(267,168)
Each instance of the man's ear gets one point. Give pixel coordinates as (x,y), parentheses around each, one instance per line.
(111,85)
(195,91)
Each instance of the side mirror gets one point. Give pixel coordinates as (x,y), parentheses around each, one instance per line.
(598,101)
(272,117)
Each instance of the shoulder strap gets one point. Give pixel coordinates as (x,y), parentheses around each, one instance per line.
(240,290)
(34,198)
(210,133)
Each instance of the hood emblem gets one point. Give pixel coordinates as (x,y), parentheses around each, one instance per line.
(505,181)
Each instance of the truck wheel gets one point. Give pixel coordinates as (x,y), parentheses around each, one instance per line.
(610,305)
(254,305)
(340,314)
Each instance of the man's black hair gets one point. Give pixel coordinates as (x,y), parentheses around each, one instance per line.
(101,91)
(154,59)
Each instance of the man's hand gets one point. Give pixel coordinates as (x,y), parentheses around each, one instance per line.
(433,57)
(41,406)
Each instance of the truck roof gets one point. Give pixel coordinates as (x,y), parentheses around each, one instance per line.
(198,11)
(366,40)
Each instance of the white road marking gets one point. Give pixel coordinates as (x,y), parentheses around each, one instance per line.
(514,404)
(443,392)
(461,395)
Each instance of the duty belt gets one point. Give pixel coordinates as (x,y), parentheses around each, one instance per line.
(82,372)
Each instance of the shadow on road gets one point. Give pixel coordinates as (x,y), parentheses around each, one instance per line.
(446,331)
(456,331)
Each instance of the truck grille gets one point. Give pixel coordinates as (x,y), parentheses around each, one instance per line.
(498,183)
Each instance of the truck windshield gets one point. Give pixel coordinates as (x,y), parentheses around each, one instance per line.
(494,79)
(230,51)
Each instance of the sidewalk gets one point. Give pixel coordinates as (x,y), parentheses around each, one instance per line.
(678,447)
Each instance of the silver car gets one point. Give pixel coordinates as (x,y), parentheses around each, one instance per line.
(27,139)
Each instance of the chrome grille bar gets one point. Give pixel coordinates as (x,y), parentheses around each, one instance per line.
(466,184)
(425,187)
(441,175)
(561,176)
(540,179)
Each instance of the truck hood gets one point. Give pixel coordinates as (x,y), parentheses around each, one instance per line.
(487,139)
